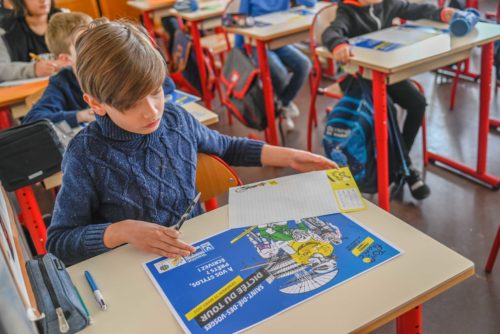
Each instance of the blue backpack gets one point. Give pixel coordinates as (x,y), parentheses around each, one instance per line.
(349,138)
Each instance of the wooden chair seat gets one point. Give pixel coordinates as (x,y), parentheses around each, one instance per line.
(216,43)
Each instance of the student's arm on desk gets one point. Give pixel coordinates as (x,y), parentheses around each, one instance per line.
(73,237)
(52,106)
(247,152)
(337,33)
(416,11)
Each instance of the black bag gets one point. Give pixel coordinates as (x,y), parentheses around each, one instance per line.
(243,94)
(55,296)
(349,137)
(28,154)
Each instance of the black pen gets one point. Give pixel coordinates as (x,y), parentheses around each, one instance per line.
(188,211)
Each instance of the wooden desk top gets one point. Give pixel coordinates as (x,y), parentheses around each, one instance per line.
(16,94)
(201,113)
(383,62)
(282,24)
(425,269)
(148,5)
(207,10)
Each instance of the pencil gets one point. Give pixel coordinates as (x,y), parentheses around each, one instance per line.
(84,306)
(35,57)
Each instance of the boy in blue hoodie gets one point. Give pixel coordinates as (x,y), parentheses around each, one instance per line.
(282,61)
(130,175)
(62,100)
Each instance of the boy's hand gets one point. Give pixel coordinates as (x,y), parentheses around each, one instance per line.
(299,160)
(342,53)
(304,161)
(85,116)
(44,68)
(447,14)
(148,237)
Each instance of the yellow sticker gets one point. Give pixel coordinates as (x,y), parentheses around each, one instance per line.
(346,190)
(362,246)
(273,182)
(213,298)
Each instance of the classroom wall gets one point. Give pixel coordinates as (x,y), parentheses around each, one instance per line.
(89,7)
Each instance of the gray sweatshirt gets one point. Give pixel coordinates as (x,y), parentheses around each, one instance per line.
(16,70)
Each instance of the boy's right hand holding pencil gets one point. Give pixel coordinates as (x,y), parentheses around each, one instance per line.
(148,237)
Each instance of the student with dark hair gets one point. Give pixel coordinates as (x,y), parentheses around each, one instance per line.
(24,34)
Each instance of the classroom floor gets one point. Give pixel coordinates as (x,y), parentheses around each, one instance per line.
(460,214)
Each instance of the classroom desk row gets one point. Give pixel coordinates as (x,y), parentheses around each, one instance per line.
(424,270)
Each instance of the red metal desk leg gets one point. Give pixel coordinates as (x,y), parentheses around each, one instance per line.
(5,120)
(381,137)
(494,123)
(271,133)
(195,33)
(479,173)
(31,218)
(484,106)
(410,322)
(148,24)
(493,253)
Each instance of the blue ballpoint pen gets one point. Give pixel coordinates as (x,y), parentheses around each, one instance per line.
(97,293)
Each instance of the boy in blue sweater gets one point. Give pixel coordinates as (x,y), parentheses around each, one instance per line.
(63,98)
(282,60)
(130,175)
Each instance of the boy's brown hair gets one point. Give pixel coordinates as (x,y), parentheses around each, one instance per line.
(117,64)
(60,29)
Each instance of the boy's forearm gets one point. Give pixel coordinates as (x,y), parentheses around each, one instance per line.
(116,234)
(276,156)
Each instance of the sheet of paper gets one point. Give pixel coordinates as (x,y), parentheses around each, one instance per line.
(294,197)
(21,82)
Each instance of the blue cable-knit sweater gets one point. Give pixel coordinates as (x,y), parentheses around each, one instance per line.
(111,175)
(60,101)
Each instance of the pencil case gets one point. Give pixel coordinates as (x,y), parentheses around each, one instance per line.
(28,154)
(463,21)
(55,296)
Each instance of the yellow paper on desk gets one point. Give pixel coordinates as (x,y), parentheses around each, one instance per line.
(346,190)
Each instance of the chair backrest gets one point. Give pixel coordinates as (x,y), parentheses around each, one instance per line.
(33,98)
(214,177)
(321,21)
(89,7)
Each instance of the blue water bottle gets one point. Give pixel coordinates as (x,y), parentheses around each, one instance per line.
(194,5)
(464,21)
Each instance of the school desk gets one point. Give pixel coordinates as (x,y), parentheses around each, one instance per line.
(13,97)
(147,8)
(202,114)
(385,71)
(283,31)
(208,16)
(424,270)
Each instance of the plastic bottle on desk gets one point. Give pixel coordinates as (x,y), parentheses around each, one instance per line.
(194,5)
(464,21)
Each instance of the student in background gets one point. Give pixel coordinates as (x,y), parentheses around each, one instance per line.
(63,98)
(131,173)
(282,61)
(358,17)
(23,33)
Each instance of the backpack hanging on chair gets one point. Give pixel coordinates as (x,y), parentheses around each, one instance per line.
(349,138)
(243,94)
